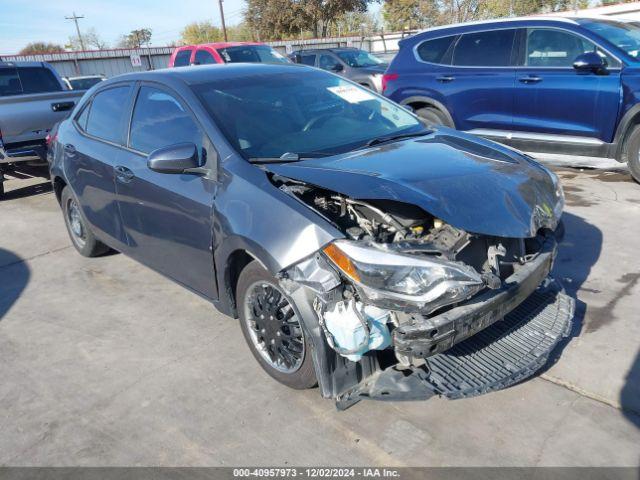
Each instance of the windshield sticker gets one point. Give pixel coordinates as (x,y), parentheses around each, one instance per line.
(351,94)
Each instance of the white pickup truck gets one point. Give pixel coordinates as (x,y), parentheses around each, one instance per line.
(33,98)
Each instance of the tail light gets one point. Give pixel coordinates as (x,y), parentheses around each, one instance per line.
(386,78)
(49,139)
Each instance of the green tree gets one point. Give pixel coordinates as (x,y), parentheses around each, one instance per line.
(201,32)
(136,38)
(41,47)
(411,14)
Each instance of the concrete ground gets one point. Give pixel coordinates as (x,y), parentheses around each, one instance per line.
(104,362)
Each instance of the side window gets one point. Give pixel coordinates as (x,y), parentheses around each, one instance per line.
(81,119)
(107,112)
(307,59)
(159,120)
(182,58)
(204,58)
(327,62)
(557,48)
(435,51)
(484,49)
(38,80)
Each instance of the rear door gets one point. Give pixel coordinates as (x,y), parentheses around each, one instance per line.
(91,151)
(203,57)
(480,84)
(167,217)
(553,98)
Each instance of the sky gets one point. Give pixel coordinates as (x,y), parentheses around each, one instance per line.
(24,21)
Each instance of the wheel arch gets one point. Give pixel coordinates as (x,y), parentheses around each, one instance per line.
(628,121)
(58,186)
(420,101)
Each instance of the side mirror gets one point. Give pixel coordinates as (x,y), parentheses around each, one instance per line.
(590,62)
(178,158)
(337,67)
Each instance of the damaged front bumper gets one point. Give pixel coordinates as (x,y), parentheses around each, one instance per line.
(495,339)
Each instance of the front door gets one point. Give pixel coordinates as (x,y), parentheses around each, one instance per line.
(554,98)
(167,217)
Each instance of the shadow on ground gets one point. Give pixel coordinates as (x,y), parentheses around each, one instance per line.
(20,173)
(14,277)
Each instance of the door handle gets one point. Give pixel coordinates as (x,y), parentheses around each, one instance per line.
(69,148)
(62,106)
(123,174)
(530,79)
(445,79)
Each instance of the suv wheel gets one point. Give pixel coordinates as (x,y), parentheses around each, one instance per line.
(270,324)
(433,116)
(632,150)
(81,235)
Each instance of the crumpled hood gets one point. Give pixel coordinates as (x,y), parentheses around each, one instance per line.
(470,183)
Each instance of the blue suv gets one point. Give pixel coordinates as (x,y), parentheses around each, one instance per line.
(549,85)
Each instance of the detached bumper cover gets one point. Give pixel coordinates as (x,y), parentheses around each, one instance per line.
(501,355)
(26,153)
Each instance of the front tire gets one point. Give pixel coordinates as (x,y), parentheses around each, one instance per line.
(632,150)
(271,326)
(78,228)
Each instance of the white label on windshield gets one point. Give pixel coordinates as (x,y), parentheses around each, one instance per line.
(351,94)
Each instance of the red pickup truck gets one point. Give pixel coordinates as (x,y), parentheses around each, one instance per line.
(225,52)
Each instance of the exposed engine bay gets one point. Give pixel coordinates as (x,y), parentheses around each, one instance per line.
(404,285)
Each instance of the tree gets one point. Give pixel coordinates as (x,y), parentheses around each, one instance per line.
(411,14)
(41,47)
(135,39)
(353,23)
(201,32)
(276,19)
(90,38)
(322,13)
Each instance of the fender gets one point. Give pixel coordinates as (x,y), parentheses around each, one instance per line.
(430,101)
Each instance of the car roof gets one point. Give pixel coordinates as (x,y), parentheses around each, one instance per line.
(495,21)
(217,45)
(21,64)
(205,73)
(329,49)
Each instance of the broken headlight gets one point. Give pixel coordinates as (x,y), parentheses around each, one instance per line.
(396,279)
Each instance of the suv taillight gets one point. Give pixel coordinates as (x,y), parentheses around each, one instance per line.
(386,78)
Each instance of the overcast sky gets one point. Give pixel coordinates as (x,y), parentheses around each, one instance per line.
(24,21)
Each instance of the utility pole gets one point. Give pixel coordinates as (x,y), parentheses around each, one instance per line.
(224,27)
(75,19)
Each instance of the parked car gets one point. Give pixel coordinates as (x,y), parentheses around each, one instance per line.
(84,82)
(358,248)
(225,52)
(32,99)
(555,85)
(362,67)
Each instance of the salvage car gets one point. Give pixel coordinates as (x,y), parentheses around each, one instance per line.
(359,250)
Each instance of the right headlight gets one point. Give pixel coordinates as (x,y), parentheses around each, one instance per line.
(426,282)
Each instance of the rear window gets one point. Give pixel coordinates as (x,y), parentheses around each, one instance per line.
(24,80)
(306,59)
(182,58)
(106,114)
(484,49)
(9,82)
(204,58)
(435,51)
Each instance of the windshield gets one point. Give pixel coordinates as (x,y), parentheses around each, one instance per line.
(84,83)
(625,36)
(359,58)
(251,54)
(302,112)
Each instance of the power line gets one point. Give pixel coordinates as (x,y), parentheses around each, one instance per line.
(75,19)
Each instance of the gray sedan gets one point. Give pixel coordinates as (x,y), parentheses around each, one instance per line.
(356,65)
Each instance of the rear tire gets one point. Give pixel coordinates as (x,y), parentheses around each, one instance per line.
(82,238)
(632,151)
(433,117)
(274,335)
